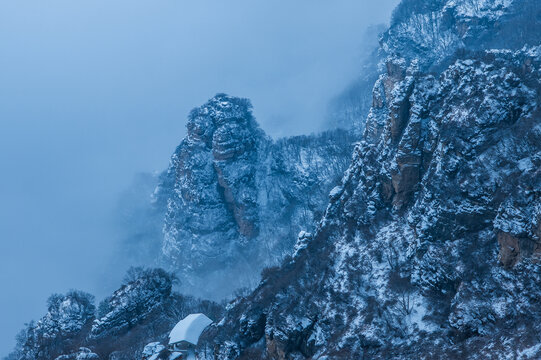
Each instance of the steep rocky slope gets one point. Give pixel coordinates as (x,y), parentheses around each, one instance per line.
(235,200)
(143,308)
(430,247)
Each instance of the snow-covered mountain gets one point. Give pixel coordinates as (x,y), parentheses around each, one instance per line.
(231,202)
(235,200)
(428,248)
(144,307)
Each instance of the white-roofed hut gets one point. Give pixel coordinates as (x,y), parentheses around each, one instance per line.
(185,335)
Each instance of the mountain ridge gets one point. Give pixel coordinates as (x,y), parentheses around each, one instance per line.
(428,248)
(413,257)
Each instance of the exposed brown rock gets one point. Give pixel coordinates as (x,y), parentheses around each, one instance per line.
(514,248)
(509,249)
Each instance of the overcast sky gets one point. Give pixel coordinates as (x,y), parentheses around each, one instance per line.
(94,91)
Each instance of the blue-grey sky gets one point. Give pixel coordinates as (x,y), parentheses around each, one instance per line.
(94,91)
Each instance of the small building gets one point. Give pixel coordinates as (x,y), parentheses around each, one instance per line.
(185,335)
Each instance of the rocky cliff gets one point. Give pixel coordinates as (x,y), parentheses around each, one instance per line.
(144,307)
(430,247)
(235,200)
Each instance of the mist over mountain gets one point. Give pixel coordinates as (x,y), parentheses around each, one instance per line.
(95,92)
(412,231)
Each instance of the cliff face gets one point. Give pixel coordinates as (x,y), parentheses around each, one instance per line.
(432,30)
(235,200)
(430,247)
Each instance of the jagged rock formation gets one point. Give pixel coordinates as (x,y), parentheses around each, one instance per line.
(433,30)
(143,308)
(82,354)
(430,248)
(235,200)
(154,351)
(132,303)
(59,331)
